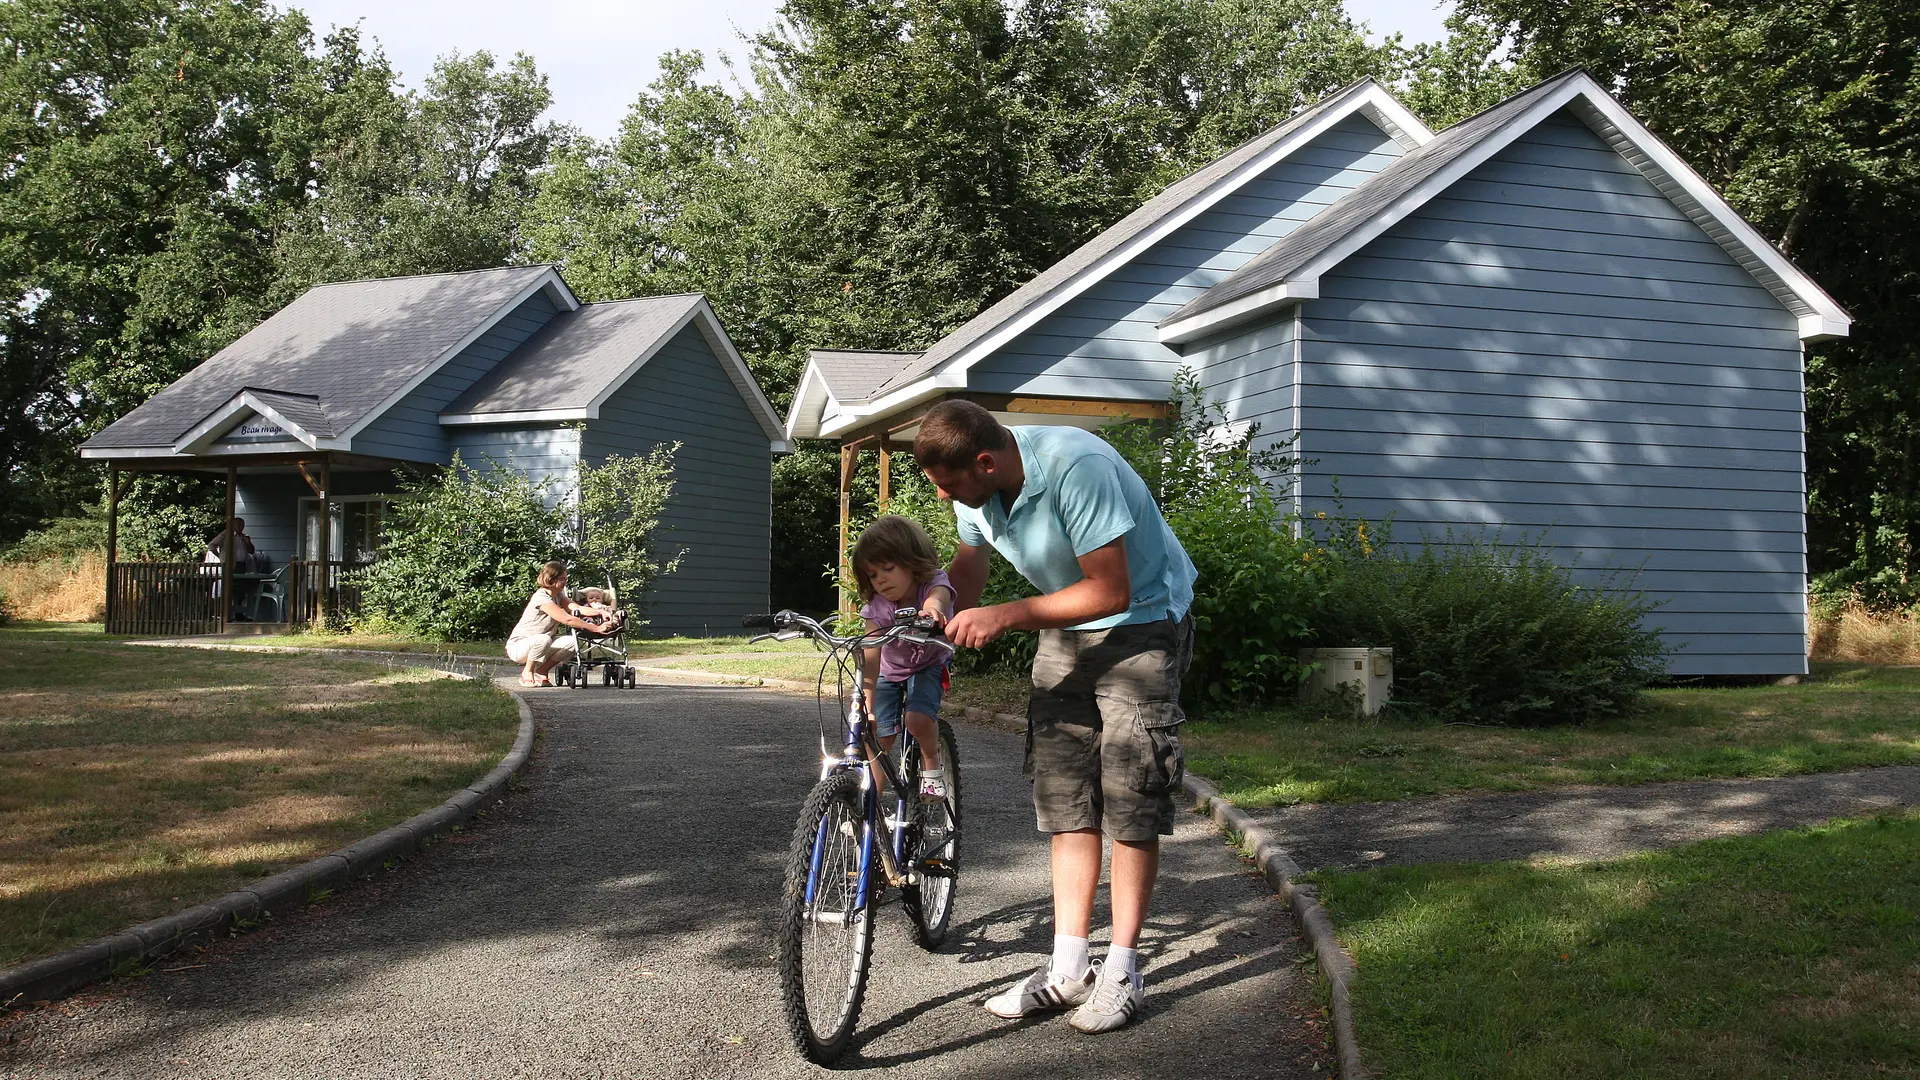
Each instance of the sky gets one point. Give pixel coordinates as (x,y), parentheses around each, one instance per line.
(599,54)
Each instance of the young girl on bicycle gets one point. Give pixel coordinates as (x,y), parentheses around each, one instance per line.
(894,566)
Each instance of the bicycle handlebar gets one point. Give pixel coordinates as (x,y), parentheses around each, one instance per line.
(909,625)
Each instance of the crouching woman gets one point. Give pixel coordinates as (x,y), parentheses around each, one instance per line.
(536,643)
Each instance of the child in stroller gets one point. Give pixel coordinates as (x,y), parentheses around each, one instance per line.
(604,646)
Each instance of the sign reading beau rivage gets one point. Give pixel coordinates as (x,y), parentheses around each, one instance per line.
(256,429)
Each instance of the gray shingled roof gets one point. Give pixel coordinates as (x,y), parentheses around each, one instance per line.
(1327,228)
(1151,212)
(855,375)
(305,410)
(351,346)
(576,356)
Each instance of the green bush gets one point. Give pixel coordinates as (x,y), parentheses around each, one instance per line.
(1488,632)
(462,549)
(1258,589)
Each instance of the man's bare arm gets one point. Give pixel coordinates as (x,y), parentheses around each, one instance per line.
(968,574)
(1104,589)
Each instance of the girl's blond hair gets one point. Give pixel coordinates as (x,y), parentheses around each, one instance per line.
(897,540)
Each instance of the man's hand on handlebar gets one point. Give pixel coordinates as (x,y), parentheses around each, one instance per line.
(977,627)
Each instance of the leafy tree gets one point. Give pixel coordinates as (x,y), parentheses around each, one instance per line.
(1806,114)
(424,183)
(152,148)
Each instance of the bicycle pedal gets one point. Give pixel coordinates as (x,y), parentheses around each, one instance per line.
(939,868)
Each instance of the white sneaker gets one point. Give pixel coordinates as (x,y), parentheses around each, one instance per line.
(1042,991)
(933,786)
(1113,1004)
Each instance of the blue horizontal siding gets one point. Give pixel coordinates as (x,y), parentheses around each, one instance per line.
(1105,339)
(1552,348)
(721,507)
(546,454)
(411,431)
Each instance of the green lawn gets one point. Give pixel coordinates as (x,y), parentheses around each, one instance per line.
(135,782)
(1845,716)
(643,648)
(1790,955)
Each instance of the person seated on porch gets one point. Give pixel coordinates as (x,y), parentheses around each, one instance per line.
(232,537)
(232,542)
(536,643)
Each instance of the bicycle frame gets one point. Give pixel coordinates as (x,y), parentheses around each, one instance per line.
(860,751)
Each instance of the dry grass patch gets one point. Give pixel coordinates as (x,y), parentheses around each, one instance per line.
(134,782)
(66,589)
(1852,632)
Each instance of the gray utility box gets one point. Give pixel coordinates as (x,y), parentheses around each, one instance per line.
(1366,675)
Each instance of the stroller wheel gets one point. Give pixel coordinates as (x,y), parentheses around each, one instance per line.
(580,676)
(606,676)
(628,677)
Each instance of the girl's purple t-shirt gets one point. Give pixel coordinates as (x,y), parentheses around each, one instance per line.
(899,659)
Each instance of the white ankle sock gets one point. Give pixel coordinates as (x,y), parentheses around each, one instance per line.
(1127,960)
(1069,956)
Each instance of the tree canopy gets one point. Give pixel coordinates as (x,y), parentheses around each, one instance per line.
(872,175)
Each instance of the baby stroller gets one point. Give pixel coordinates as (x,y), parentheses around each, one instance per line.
(604,648)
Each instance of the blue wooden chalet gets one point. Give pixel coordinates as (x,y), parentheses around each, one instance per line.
(310,415)
(1539,321)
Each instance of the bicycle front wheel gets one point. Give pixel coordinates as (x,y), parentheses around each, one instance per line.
(826,934)
(935,839)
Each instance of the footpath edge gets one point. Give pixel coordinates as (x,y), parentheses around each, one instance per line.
(52,976)
(1283,875)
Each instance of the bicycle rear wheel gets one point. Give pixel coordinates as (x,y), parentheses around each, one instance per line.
(935,842)
(826,941)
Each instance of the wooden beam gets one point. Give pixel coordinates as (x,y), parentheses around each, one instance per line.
(113,535)
(849,461)
(1017,403)
(307,476)
(228,543)
(326,541)
(886,474)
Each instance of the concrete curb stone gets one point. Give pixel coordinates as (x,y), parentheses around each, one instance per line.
(63,972)
(1283,875)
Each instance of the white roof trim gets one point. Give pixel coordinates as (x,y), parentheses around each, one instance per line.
(1820,317)
(1371,101)
(201,437)
(556,288)
(527,416)
(1273,296)
(98,452)
(811,400)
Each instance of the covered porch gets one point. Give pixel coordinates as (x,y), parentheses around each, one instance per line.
(314,517)
(893,434)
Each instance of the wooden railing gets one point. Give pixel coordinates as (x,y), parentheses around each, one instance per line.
(163,598)
(303,590)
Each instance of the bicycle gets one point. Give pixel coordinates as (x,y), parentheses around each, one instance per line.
(844,845)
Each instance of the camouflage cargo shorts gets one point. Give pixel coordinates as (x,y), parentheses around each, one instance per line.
(1103,728)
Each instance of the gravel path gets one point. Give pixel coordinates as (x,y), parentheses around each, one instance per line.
(1577,823)
(612,919)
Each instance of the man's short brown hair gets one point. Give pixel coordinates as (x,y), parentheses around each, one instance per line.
(954,433)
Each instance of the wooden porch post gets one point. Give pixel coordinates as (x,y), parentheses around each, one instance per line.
(226,556)
(326,540)
(113,535)
(886,474)
(849,461)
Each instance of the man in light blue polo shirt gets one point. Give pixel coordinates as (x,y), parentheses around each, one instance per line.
(1103,743)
